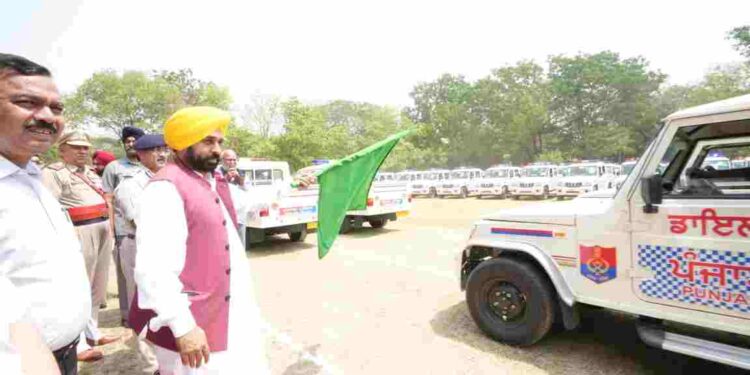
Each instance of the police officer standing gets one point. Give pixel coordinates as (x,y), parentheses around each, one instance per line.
(115,173)
(78,188)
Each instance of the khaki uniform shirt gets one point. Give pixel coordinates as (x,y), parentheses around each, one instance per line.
(69,189)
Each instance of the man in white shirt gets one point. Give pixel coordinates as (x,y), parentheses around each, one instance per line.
(187,243)
(152,154)
(42,272)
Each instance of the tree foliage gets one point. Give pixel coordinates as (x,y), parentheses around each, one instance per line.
(740,36)
(110,101)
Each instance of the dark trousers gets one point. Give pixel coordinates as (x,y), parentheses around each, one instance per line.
(67,359)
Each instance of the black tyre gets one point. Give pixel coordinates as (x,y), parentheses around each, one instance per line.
(545,195)
(346,226)
(433,193)
(504,195)
(510,301)
(479,196)
(298,236)
(464,192)
(378,223)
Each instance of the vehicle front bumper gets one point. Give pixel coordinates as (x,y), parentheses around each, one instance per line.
(532,191)
(449,191)
(491,191)
(572,192)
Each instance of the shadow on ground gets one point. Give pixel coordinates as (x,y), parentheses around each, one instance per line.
(607,336)
(367,232)
(277,245)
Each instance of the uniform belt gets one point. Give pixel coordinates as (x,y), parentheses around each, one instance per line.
(88,214)
(61,353)
(121,236)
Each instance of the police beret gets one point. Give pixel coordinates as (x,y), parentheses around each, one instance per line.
(150,141)
(131,131)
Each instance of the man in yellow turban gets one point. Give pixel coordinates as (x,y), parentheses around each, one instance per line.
(194,298)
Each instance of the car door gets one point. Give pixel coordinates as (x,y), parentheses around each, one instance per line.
(692,251)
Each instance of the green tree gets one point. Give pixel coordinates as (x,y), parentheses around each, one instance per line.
(599,101)
(741,38)
(111,101)
(307,136)
(513,104)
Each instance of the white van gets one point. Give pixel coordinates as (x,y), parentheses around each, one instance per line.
(497,181)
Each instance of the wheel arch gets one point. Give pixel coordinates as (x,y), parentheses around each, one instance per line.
(474,254)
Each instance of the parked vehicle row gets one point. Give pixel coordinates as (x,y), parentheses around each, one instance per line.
(542,180)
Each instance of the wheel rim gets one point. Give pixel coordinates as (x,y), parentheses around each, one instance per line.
(506,302)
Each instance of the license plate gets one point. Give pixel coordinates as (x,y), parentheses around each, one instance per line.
(313,225)
(402,214)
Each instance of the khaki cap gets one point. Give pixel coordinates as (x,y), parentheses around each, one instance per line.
(75,138)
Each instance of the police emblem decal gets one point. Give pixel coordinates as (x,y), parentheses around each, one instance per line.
(598,264)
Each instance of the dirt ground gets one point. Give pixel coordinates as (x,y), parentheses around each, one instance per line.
(388,302)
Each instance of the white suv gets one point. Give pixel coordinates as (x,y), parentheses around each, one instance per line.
(462,183)
(537,180)
(497,180)
(586,177)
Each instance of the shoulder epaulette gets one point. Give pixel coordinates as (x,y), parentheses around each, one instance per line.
(56,166)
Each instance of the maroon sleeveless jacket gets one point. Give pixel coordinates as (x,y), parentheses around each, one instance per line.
(205,277)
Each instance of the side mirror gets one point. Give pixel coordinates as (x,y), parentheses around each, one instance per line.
(651,192)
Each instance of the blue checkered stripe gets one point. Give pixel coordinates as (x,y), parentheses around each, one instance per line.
(664,285)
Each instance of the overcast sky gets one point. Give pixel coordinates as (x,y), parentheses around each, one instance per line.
(373,51)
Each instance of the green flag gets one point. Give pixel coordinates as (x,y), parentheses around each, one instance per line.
(345,184)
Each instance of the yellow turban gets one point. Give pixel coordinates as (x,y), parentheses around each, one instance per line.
(190,125)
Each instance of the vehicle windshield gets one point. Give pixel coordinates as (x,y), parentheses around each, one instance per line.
(579,170)
(626,168)
(718,164)
(460,175)
(406,177)
(535,172)
(737,164)
(498,173)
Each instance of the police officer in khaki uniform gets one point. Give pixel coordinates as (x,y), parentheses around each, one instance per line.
(79,190)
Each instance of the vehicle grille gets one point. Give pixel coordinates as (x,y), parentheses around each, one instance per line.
(488,185)
(573,184)
(527,184)
(448,186)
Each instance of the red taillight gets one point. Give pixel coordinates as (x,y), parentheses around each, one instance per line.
(370,202)
(263,212)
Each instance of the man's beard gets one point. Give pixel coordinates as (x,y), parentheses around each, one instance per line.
(131,152)
(201,163)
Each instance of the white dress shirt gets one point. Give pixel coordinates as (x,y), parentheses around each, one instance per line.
(161,240)
(41,263)
(127,194)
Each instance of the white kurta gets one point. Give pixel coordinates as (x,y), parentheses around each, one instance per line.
(161,236)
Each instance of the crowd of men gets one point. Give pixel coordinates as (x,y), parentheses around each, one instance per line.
(166,214)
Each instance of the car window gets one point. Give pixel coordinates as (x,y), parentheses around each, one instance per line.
(709,175)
